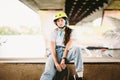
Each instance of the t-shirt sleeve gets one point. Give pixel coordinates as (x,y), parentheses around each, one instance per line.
(73,35)
(53,36)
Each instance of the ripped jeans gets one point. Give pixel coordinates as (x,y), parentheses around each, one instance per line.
(73,54)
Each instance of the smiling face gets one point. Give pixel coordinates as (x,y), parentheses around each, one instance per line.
(60,22)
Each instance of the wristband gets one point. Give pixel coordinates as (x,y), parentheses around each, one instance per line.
(65,59)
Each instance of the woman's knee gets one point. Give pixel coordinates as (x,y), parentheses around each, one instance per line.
(77,51)
(77,48)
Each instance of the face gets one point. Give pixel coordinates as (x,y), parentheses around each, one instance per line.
(60,22)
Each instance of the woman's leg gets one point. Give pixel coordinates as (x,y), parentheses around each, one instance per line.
(50,70)
(75,54)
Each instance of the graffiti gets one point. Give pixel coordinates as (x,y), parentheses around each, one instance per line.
(2,41)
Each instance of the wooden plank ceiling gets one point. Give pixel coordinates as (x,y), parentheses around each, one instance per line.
(79,9)
(76,10)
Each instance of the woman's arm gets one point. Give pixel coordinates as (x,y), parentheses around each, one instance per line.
(62,64)
(54,52)
(68,45)
(54,55)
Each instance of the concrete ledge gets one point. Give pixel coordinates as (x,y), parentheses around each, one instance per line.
(43,60)
(33,71)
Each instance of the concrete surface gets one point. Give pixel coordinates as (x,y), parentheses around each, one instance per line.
(33,71)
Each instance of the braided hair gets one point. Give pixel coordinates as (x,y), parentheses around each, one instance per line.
(67,35)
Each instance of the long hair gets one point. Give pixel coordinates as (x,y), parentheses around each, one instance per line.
(67,35)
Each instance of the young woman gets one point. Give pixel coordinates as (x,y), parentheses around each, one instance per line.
(61,50)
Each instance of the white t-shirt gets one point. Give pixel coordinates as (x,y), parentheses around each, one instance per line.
(57,36)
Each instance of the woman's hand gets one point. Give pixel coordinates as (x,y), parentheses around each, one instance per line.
(62,64)
(58,67)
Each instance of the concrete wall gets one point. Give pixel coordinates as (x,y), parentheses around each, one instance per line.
(33,71)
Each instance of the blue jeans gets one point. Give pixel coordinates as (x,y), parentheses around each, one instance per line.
(73,54)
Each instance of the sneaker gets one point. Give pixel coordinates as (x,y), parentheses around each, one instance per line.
(79,78)
(75,77)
